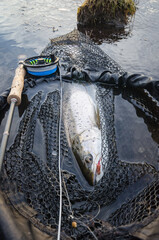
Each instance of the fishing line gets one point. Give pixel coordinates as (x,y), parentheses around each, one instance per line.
(90,220)
(78,219)
(85,225)
(69,202)
(60,177)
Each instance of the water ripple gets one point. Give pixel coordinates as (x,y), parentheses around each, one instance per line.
(32,24)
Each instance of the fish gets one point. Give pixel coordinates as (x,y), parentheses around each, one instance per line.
(82,127)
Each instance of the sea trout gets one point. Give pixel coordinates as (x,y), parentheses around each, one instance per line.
(82,126)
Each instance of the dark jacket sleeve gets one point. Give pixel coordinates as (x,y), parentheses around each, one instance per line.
(106,77)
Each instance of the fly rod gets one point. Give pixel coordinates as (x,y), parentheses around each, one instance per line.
(14,99)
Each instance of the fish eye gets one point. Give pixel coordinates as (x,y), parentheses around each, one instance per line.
(88,158)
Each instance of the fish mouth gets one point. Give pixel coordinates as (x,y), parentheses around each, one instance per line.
(95,174)
(97,171)
(87,172)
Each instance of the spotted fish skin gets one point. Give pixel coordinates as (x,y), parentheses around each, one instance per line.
(82,126)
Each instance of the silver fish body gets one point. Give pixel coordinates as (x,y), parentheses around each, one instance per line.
(82,126)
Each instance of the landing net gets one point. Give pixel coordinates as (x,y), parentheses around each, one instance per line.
(31,184)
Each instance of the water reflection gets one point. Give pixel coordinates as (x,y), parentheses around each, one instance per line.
(107,33)
(140,51)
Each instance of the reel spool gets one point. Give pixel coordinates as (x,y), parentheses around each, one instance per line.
(41,65)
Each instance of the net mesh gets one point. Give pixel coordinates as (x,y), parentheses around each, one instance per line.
(31,183)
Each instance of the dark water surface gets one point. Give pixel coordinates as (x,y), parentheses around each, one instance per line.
(26,27)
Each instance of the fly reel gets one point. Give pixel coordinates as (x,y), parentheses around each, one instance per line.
(41,65)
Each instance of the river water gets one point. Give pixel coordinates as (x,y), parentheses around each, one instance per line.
(27,27)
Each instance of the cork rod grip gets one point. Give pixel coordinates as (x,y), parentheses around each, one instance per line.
(17,85)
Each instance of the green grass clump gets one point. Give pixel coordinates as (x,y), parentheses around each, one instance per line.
(102,11)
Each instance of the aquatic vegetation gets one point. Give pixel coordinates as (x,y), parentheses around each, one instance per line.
(113,12)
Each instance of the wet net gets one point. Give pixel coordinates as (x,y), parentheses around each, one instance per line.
(110,209)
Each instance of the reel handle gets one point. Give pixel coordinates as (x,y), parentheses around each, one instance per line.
(17,85)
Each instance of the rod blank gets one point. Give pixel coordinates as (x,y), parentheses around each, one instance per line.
(6,131)
(14,98)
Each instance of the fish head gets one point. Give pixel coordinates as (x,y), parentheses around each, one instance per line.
(94,168)
(89,155)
